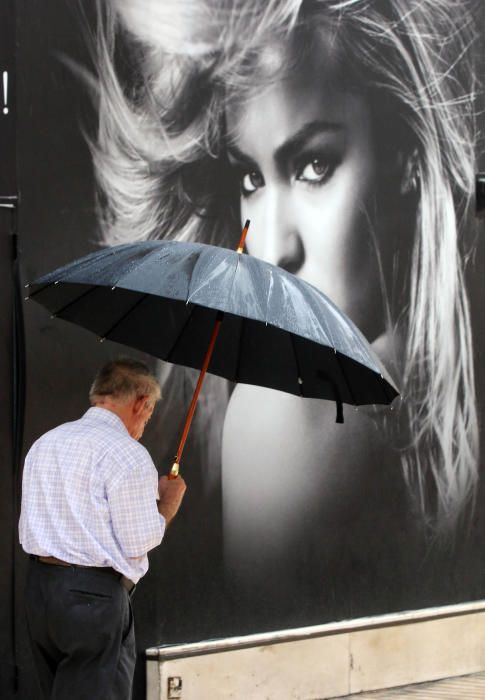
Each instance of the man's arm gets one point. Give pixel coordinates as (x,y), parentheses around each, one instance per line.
(135,515)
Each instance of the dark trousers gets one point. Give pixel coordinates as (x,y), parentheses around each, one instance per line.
(81,630)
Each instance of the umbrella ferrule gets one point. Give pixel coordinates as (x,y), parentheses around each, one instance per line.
(174,472)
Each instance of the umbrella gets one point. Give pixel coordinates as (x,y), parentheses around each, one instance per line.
(172,299)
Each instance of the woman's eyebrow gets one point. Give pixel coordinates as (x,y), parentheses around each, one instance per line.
(235,154)
(291,147)
(295,143)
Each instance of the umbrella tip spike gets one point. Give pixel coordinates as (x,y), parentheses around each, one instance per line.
(57,281)
(101,340)
(26,298)
(113,288)
(26,286)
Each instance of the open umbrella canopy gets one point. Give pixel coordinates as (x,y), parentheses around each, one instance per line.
(162,297)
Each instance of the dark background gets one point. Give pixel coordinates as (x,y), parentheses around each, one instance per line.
(183,597)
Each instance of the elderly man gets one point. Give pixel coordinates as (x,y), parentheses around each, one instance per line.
(92,507)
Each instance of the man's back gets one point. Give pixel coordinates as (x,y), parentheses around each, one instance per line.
(81,486)
(92,508)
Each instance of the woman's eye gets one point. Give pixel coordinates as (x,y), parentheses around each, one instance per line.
(317,171)
(252,181)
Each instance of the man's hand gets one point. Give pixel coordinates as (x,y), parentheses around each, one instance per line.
(171,493)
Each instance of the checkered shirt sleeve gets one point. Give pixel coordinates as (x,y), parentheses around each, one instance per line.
(135,519)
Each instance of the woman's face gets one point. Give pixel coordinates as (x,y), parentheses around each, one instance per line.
(304,153)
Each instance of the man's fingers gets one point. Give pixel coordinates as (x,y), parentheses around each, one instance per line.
(172,486)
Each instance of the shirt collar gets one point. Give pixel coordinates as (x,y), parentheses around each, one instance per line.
(103,415)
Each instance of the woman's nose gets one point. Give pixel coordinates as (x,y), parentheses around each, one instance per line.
(283,242)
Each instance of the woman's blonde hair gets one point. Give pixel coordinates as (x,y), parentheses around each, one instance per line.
(162,171)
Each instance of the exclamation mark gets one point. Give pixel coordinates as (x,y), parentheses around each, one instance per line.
(5,92)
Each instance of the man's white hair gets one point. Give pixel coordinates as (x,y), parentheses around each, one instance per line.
(124,379)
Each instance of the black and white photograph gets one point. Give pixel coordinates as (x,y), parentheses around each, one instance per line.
(349,133)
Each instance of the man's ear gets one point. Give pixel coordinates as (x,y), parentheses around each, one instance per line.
(139,404)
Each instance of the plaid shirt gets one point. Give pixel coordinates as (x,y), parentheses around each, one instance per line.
(89,495)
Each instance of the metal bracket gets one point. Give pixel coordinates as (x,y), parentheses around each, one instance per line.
(480,195)
(174,688)
(8,201)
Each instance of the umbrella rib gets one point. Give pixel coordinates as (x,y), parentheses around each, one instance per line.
(139,262)
(239,347)
(179,334)
(292,341)
(268,295)
(349,387)
(124,316)
(56,281)
(74,301)
(38,291)
(234,275)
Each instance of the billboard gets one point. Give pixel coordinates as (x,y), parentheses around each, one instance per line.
(347,133)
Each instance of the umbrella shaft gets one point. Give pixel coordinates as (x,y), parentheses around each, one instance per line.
(188,421)
(198,387)
(244,233)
